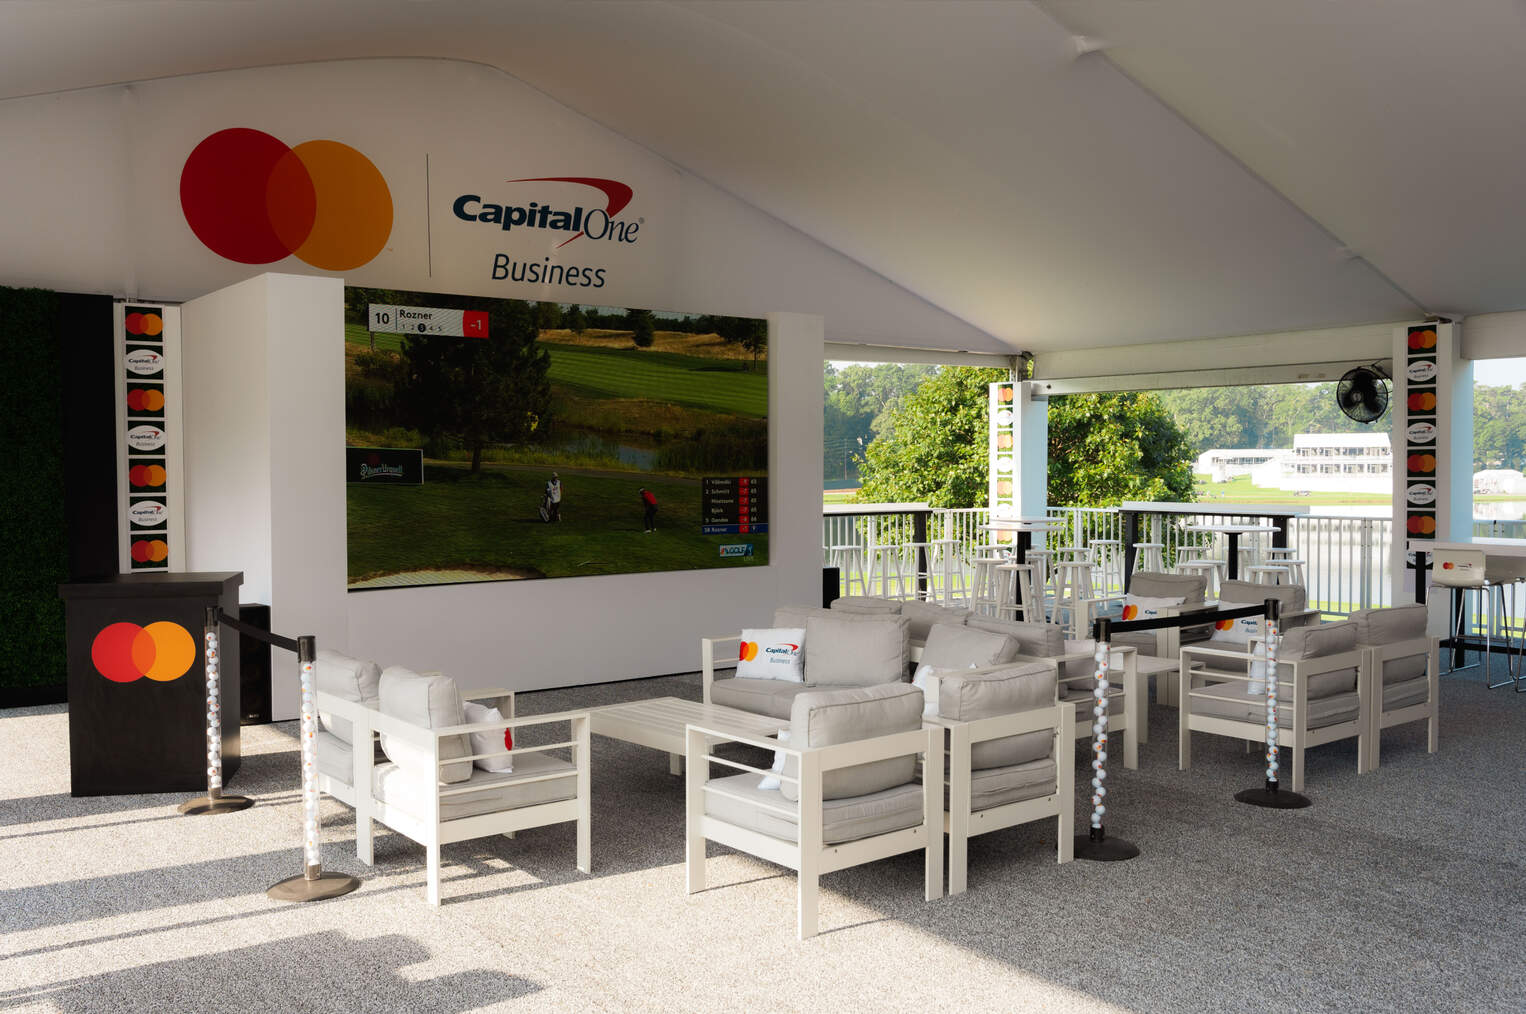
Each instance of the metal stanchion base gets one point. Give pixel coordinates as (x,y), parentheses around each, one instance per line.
(1273,798)
(1098,847)
(222,804)
(325,885)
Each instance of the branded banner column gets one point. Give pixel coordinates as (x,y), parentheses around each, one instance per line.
(1019,450)
(1433,444)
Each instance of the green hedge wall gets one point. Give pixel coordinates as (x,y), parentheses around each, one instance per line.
(31,613)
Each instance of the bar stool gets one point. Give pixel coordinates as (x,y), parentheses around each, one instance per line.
(886,560)
(1467,570)
(1213,574)
(1107,554)
(1149,556)
(986,590)
(1282,556)
(1012,578)
(1267,573)
(1072,584)
(850,562)
(1043,571)
(942,562)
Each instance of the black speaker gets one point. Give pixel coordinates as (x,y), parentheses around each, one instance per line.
(831,585)
(254,664)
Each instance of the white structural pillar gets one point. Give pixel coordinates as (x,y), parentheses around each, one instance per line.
(1019,449)
(1432,429)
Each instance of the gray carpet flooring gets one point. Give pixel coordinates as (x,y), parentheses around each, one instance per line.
(1401,890)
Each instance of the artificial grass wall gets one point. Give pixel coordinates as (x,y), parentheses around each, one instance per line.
(31,613)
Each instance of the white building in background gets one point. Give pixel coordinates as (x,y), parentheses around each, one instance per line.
(1499,480)
(1223,464)
(1327,462)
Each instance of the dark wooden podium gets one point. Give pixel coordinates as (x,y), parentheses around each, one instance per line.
(137,691)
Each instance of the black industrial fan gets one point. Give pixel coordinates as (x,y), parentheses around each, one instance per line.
(1363,394)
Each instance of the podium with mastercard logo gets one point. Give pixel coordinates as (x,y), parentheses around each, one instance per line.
(137,697)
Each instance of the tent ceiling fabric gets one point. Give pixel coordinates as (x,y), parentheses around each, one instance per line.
(966,151)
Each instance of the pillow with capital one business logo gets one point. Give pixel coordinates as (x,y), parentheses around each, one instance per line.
(772,653)
(1140,607)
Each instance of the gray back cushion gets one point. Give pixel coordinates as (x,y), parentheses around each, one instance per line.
(349,679)
(866,604)
(1003,690)
(1036,640)
(1376,628)
(824,718)
(429,702)
(855,650)
(1321,642)
(959,647)
(923,615)
(1190,588)
(1292,596)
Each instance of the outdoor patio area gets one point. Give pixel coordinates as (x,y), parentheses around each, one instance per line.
(1397,890)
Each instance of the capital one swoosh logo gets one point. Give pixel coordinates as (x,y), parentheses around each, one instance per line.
(596,223)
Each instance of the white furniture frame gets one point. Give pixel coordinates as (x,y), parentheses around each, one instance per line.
(809,856)
(1293,687)
(432,830)
(961,824)
(1427,710)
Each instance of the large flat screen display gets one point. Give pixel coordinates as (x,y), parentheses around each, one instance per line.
(500,440)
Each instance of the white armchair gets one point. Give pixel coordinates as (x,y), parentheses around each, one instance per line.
(430,789)
(1323,694)
(847,795)
(1404,664)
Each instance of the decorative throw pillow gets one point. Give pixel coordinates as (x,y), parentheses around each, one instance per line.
(1140,607)
(775,653)
(1238,631)
(926,680)
(489,742)
(770,782)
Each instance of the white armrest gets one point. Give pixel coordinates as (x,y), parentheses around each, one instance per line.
(707,659)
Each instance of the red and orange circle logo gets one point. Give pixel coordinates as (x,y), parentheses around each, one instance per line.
(149,325)
(145,399)
(748,651)
(124,652)
(251,199)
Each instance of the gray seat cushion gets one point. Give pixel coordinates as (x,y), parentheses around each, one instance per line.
(922,615)
(1013,784)
(824,718)
(1247,593)
(960,647)
(1380,627)
(800,616)
(844,649)
(1035,640)
(428,702)
(1403,694)
(965,697)
(761,697)
(866,604)
(843,820)
(1229,700)
(335,757)
(349,679)
(492,791)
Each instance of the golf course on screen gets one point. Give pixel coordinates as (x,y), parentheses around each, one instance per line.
(487,401)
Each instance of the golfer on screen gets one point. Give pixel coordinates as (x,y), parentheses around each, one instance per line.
(649,505)
(551,504)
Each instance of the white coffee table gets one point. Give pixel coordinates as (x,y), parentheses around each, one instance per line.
(659,724)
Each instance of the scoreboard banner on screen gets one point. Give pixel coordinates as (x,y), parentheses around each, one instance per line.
(733,505)
(428,320)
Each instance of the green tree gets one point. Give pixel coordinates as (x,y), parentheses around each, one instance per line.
(1107,448)
(575,319)
(643,333)
(548,316)
(934,449)
(749,332)
(477,391)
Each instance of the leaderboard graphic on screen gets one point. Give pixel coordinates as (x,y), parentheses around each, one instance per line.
(498,439)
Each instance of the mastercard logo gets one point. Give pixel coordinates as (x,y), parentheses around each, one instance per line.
(1448,565)
(1423,338)
(145,399)
(1421,462)
(1224,625)
(1423,401)
(1421,524)
(1004,394)
(149,325)
(146,475)
(150,550)
(1003,487)
(124,652)
(1129,612)
(749,651)
(250,198)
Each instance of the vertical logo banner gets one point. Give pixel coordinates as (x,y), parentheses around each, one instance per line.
(145,447)
(1422,432)
(1002,455)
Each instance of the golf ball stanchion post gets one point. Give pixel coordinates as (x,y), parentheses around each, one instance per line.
(1096,844)
(214,801)
(313,884)
(1272,796)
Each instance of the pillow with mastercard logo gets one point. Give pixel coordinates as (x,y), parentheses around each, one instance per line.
(1240,631)
(773,653)
(1140,607)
